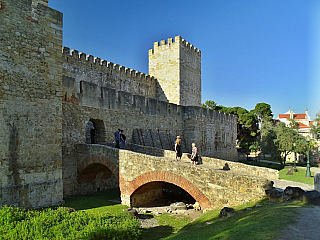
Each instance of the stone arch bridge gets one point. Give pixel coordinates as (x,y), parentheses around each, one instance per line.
(140,175)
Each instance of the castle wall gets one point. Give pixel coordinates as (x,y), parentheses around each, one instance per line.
(127,117)
(212,131)
(30,104)
(82,67)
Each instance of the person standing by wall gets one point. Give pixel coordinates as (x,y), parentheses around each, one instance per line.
(123,142)
(177,148)
(116,138)
(194,155)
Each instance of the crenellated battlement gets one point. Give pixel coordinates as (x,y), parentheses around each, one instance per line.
(177,40)
(73,56)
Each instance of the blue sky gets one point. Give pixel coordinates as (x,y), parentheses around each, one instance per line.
(252,51)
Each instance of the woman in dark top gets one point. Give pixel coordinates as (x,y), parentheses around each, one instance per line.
(177,148)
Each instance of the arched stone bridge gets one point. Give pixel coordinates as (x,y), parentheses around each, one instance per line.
(140,175)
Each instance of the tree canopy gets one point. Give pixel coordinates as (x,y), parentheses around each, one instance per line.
(316,128)
(279,140)
(262,111)
(276,139)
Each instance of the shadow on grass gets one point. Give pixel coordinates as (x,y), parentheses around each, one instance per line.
(156,232)
(101,199)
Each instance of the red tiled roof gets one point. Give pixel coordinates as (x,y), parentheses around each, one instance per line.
(295,116)
(301,125)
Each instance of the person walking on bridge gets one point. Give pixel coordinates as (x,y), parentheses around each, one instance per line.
(177,148)
(116,138)
(123,142)
(194,155)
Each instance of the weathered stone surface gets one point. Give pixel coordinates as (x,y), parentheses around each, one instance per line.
(178,206)
(275,195)
(295,193)
(30,104)
(196,206)
(317,182)
(226,212)
(313,197)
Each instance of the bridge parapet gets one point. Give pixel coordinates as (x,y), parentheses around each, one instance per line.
(216,163)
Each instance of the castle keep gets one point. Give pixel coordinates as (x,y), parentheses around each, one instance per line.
(52,99)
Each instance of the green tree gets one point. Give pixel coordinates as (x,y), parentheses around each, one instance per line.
(293,124)
(316,128)
(278,140)
(247,124)
(209,104)
(263,111)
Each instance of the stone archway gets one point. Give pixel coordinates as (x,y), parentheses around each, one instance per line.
(127,188)
(97,173)
(159,194)
(96,177)
(95,131)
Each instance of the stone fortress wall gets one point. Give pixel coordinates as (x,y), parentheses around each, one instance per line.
(30,104)
(214,132)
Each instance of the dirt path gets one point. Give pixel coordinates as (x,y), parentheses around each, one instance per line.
(307,226)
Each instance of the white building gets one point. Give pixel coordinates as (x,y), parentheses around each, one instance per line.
(303,119)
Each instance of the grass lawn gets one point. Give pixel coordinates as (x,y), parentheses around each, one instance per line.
(259,223)
(263,222)
(299,176)
(99,202)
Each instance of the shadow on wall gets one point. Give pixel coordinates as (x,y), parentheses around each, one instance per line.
(96,177)
(158,139)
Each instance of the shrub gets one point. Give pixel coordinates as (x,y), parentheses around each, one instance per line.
(16,223)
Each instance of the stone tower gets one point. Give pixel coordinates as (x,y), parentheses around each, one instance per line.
(177,66)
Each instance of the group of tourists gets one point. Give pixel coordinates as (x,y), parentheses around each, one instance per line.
(120,139)
(178,149)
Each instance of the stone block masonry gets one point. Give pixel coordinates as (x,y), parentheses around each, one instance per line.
(30,104)
(177,66)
